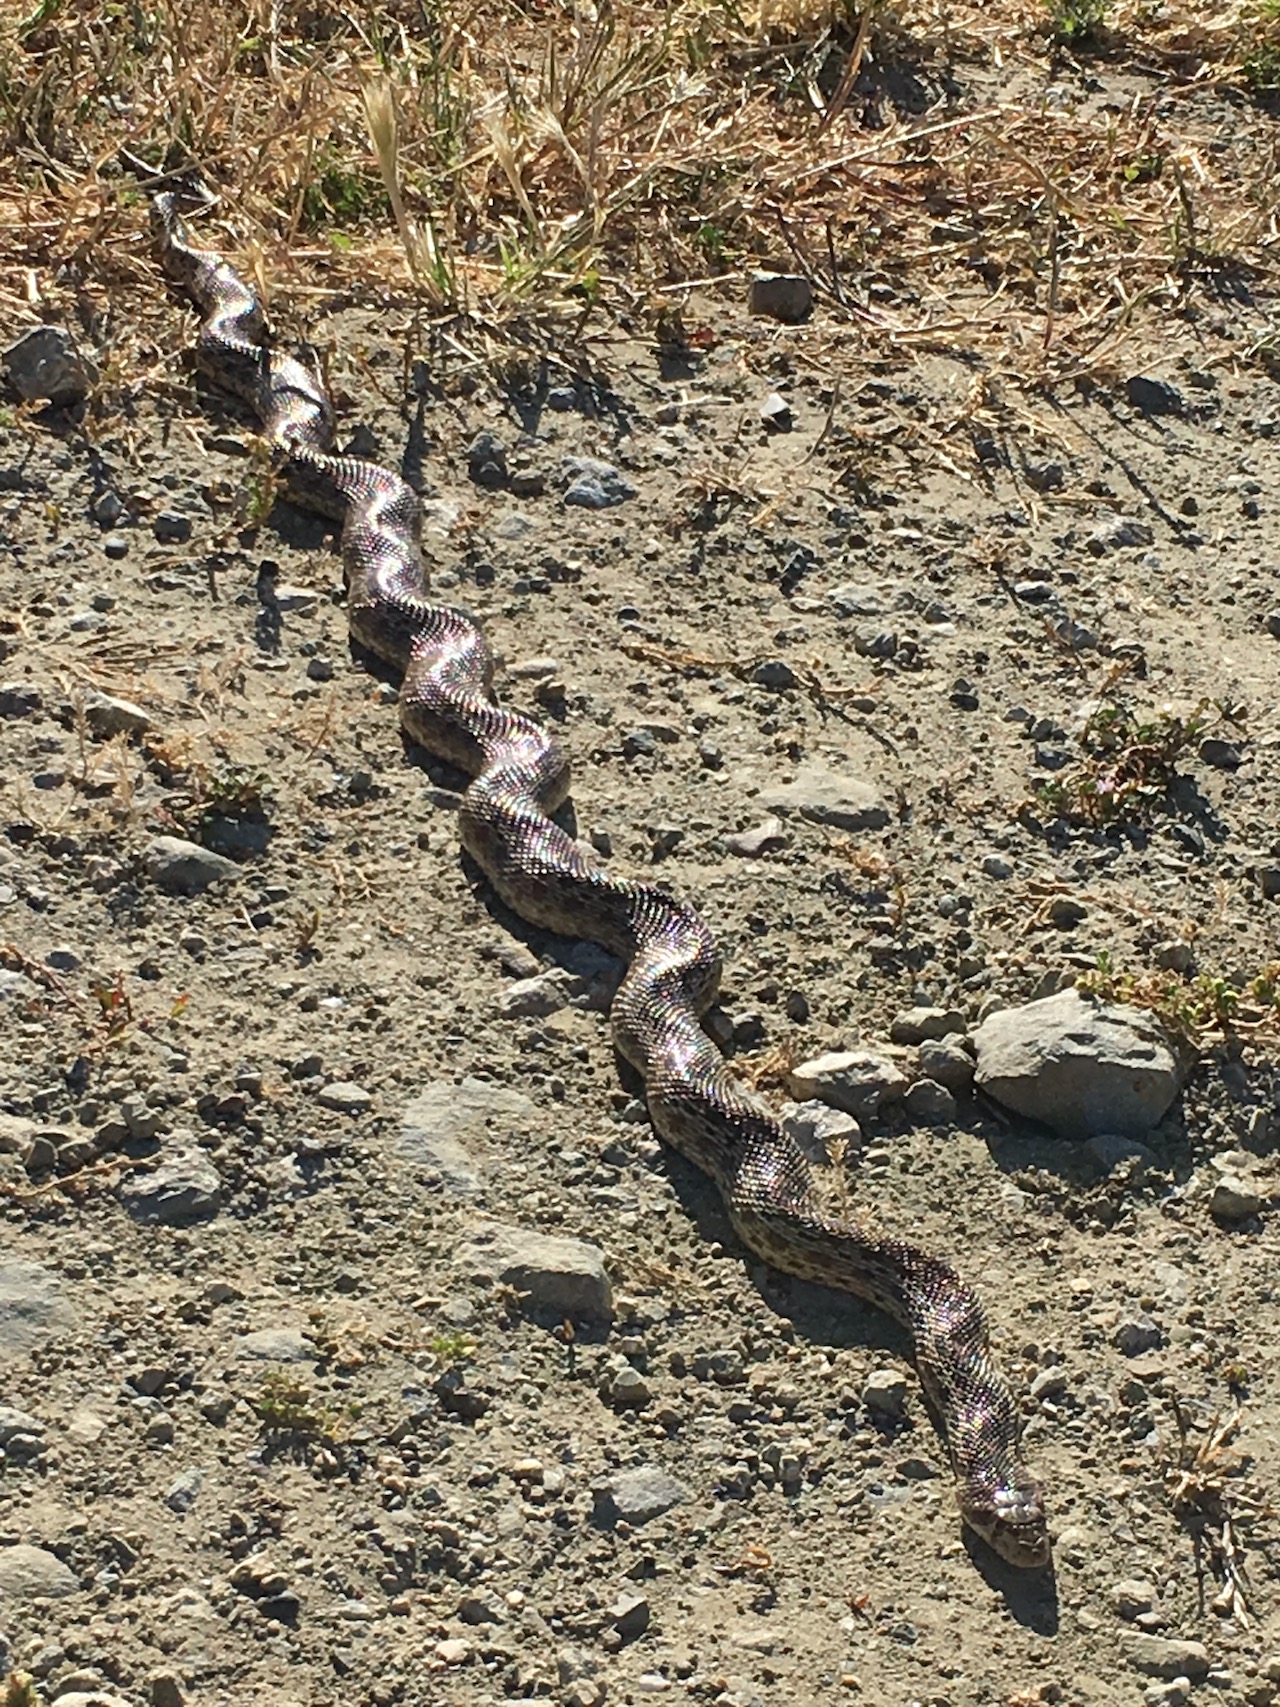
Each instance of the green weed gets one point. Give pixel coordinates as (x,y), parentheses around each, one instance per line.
(1076,23)
(286,1405)
(452,1347)
(340,196)
(1130,764)
(1191,1007)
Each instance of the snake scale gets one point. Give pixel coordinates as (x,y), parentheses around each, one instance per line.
(519,776)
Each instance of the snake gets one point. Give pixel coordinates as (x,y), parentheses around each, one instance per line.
(519,777)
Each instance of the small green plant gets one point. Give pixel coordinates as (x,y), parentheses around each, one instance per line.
(233,791)
(1143,169)
(1190,1007)
(1260,67)
(338,195)
(1076,23)
(1130,763)
(286,1405)
(452,1347)
(20,1690)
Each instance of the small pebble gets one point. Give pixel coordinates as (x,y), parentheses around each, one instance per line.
(172,527)
(345,1097)
(884,1393)
(768,837)
(1136,1335)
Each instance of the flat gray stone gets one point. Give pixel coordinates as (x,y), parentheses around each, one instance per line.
(1166,1656)
(106,715)
(1082,1067)
(276,1345)
(17,1422)
(185,1188)
(344,1096)
(852,1080)
(641,1494)
(828,793)
(45,366)
(33,1573)
(534,998)
(566,1276)
(445,1124)
(32,1307)
(920,1025)
(184,1490)
(765,838)
(185,868)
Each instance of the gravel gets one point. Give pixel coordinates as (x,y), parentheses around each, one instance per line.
(482,1258)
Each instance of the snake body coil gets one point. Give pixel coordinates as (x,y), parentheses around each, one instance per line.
(520,775)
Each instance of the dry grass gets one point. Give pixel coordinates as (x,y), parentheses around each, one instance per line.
(934,166)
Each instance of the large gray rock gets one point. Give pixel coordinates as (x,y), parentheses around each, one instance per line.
(45,365)
(185,1188)
(14,1422)
(828,793)
(185,868)
(566,1276)
(32,1308)
(446,1121)
(1168,1656)
(851,1080)
(639,1495)
(276,1345)
(33,1573)
(1080,1066)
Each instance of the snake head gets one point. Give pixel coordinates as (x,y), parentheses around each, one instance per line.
(1010,1518)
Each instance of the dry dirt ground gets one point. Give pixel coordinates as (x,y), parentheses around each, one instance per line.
(402,1493)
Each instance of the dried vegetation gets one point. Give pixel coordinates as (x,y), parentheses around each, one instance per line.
(501,160)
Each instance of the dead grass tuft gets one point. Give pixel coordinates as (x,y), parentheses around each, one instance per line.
(938,173)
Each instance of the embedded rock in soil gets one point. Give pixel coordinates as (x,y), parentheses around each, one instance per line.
(853,1081)
(819,1129)
(31,1573)
(566,1276)
(1234,1198)
(929,1103)
(106,716)
(947,1064)
(344,1096)
(32,1308)
(15,1424)
(780,296)
(828,794)
(920,1025)
(593,485)
(751,844)
(443,1123)
(185,1188)
(45,366)
(185,868)
(1079,1066)
(1165,1656)
(885,1392)
(276,1345)
(639,1495)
